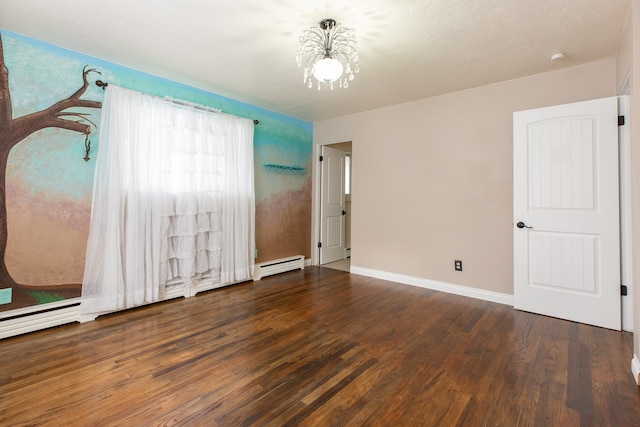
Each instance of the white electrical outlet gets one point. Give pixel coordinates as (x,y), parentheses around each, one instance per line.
(5,296)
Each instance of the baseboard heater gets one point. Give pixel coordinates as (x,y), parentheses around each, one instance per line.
(39,317)
(277,266)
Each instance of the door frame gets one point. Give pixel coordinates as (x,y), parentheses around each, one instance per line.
(626,261)
(316,193)
(333,211)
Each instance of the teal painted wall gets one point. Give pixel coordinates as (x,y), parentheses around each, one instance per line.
(49,185)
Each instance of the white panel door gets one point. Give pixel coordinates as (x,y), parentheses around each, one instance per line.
(566,223)
(332,206)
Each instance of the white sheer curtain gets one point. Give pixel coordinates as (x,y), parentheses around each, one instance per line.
(173,197)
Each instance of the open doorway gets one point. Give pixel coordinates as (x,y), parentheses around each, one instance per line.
(334,241)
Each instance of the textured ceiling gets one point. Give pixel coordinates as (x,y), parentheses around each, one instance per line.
(408,49)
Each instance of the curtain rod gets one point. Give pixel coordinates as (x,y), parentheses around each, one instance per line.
(103,85)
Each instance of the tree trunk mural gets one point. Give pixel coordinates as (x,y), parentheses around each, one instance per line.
(14,130)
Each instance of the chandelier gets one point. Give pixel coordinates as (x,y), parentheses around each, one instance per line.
(328,53)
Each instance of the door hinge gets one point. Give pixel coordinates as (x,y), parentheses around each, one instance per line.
(620,120)
(321,158)
(623,290)
(319,244)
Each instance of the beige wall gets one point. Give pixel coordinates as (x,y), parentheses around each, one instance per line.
(432,179)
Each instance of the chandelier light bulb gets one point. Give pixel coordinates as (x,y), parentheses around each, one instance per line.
(327,70)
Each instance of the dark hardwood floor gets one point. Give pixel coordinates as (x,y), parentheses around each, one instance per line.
(320,347)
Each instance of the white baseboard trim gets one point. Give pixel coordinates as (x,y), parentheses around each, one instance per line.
(635,369)
(465,291)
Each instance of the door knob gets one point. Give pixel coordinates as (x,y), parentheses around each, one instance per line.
(522,225)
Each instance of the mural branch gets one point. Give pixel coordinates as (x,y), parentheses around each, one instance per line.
(14,130)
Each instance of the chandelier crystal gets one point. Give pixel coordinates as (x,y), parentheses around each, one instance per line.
(328,53)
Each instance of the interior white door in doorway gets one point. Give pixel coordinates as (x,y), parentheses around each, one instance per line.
(566,204)
(332,206)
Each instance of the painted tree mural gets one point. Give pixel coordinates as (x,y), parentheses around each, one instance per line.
(14,130)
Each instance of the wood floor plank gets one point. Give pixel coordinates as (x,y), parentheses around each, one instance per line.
(320,347)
